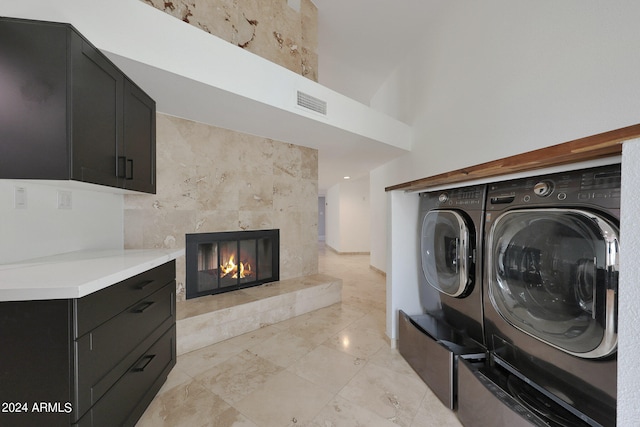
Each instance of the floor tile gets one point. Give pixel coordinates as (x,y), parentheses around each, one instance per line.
(332,367)
(284,400)
(341,413)
(328,368)
(239,376)
(395,397)
(359,342)
(190,404)
(198,361)
(432,412)
(391,359)
(282,349)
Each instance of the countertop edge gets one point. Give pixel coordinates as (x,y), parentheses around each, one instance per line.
(85,272)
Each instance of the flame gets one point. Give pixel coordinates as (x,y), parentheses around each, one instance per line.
(230,267)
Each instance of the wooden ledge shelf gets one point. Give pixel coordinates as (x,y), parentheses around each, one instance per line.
(598,146)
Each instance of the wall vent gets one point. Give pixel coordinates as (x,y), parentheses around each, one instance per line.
(312,103)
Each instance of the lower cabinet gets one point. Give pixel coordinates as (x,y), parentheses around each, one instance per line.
(93,361)
(127,399)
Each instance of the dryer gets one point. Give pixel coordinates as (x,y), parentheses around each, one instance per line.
(451,228)
(550,292)
(450,325)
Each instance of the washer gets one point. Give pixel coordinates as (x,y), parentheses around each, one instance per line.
(551,285)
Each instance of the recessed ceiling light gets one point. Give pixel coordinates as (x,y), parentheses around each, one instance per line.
(347,177)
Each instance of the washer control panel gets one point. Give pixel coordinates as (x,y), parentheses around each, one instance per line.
(543,188)
(599,186)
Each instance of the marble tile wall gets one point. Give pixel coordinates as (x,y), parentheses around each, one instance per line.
(269,28)
(212,179)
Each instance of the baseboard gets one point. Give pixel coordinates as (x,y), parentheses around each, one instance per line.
(346,253)
(382,273)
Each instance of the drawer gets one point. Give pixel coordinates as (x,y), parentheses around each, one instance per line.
(126,400)
(102,354)
(98,307)
(482,403)
(433,362)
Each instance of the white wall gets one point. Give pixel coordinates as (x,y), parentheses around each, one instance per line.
(332,217)
(348,216)
(354,216)
(403,291)
(498,78)
(629,292)
(378,220)
(321,218)
(41,229)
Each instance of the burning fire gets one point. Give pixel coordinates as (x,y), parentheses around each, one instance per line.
(230,267)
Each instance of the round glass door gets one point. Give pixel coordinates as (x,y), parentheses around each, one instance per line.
(553,274)
(445,249)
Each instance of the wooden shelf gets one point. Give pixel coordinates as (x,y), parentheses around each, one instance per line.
(598,146)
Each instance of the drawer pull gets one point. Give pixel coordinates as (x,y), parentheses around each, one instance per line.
(143,307)
(143,363)
(144,284)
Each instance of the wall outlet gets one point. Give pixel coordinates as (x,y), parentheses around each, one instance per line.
(64,199)
(20,197)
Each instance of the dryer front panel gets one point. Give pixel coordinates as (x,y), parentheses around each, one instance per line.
(553,274)
(447,249)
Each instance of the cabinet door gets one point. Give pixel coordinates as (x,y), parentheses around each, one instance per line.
(139,160)
(36,385)
(33,100)
(96,86)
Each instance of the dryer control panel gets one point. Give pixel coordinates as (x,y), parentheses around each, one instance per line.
(598,186)
(467,197)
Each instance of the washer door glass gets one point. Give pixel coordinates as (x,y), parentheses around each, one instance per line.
(446,249)
(554,275)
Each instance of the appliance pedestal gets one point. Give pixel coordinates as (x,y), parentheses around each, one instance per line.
(431,347)
(490,395)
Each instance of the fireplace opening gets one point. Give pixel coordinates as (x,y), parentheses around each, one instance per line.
(227,261)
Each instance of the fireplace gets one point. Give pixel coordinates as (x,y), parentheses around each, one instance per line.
(227,261)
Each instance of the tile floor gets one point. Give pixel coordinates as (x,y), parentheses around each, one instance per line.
(329,368)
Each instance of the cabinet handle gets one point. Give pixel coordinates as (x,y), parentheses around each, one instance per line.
(125,168)
(144,284)
(143,307)
(129,171)
(122,166)
(143,363)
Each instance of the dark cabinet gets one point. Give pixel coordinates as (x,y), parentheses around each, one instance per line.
(137,161)
(67,112)
(93,361)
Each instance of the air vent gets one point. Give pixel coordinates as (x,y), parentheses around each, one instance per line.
(312,103)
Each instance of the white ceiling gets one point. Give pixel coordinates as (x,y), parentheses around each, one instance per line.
(360,42)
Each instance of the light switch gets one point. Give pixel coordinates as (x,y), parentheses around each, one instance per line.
(20,198)
(64,199)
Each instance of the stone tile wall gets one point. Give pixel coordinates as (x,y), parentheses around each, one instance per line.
(269,28)
(212,179)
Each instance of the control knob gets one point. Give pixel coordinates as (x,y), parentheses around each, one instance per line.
(543,188)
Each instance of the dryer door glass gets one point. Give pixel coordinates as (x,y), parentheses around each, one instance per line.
(553,273)
(446,252)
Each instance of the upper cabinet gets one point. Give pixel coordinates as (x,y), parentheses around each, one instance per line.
(67,112)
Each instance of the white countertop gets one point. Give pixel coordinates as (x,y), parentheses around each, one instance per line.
(76,274)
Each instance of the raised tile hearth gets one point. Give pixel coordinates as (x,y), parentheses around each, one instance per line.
(210,319)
